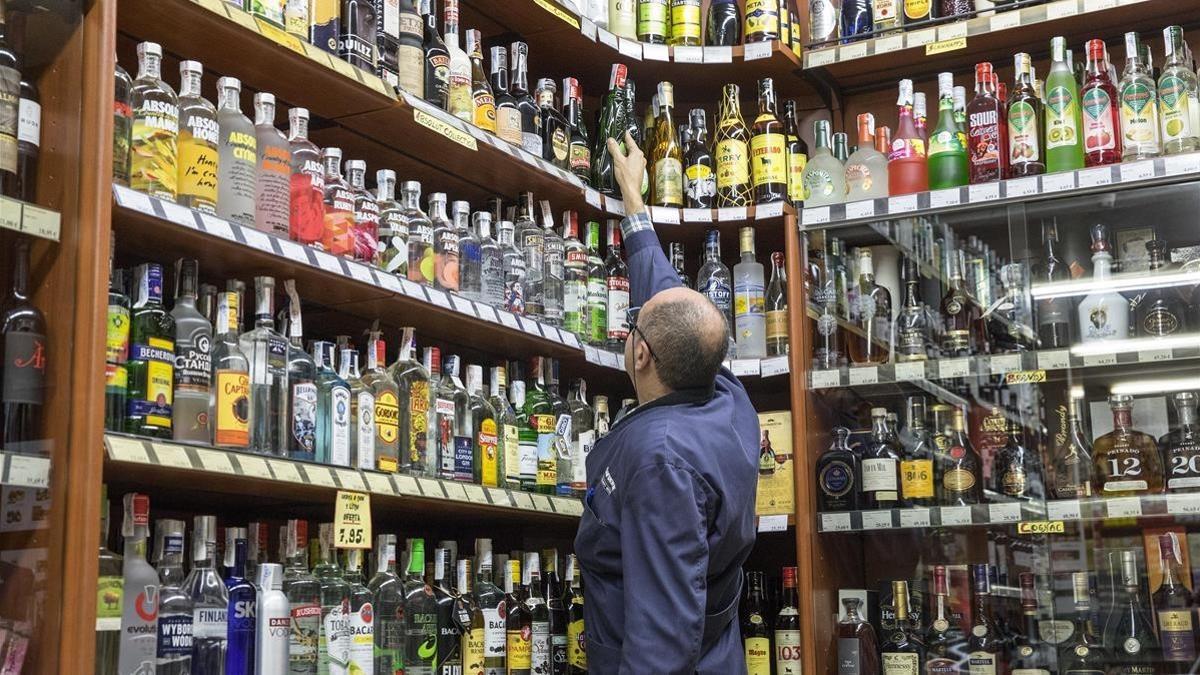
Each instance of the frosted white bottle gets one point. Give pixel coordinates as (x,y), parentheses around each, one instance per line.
(274,622)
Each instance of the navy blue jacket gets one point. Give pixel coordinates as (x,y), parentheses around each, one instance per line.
(669,517)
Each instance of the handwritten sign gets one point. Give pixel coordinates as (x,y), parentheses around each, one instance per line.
(352,520)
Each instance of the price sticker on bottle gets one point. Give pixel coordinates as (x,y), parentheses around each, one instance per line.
(915,518)
(352,520)
(835,522)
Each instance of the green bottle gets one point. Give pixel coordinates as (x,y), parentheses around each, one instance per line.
(537,425)
(151,364)
(1064,144)
(947,154)
(597,289)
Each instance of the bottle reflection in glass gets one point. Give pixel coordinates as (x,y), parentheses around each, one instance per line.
(857,646)
(827,342)
(1073,459)
(873,345)
(838,475)
(1126,460)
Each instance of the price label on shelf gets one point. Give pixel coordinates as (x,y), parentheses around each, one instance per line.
(570,339)
(1004,363)
(889,44)
(860,209)
(351,480)
(664,215)
(380,483)
(360,273)
(1021,187)
(1004,513)
(439,298)
(407,485)
(1062,9)
(744,367)
(218,227)
(1124,507)
(1056,359)
(34,472)
(606,38)
(757,50)
(697,215)
(776,365)
(1134,171)
(915,518)
(821,57)
(711,54)
(731,213)
(825,379)
(1183,504)
(431,488)
(258,240)
(522,500)
(179,215)
(294,252)
(570,507)
(773,523)
(487,312)
(983,192)
(1098,5)
(352,520)
(254,467)
(1063,509)
(593,198)
(454,491)
(942,198)
(953,31)
(907,371)
(835,522)
(319,475)
(948,368)
(610,359)
(902,204)
(215,460)
(475,493)
(920,38)
(414,290)
(174,456)
(530,326)
(1177,165)
(132,199)
(462,304)
(853,51)
(815,216)
(864,375)
(285,470)
(956,515)
(629,48)
(1108,359)
(656,52)
(1154,355)
(1058,182)
(1004,21)
(768,211)
(542,503)
(499,497)
(1097,177)
(123,449)
(588,28)
(614,206)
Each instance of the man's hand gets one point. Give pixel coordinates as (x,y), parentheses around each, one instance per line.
(629,168)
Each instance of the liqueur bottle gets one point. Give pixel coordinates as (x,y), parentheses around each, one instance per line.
(116,343)
(768,148)
(153,139)
(732,140)
(917,11)
(907,168)
(1140,133)
(797,153)
(1083,652)
(267,352)
(357,38)
(838,475)
(306,222)
(531,139)
(197,143)
(666,159)
(1073,459)
(902,651)
(856,19)
(884,16)
(857,645)
(410,51)
(151,364)
(273,174)
(685,23)
(880,466)
(1161,311)
(617,284)
(961,468)
(756,630)
(122,124)
(461,102)
(1026,136)
(389,17)
(824,177)
(210,600)
(776,308)
(1100,110)
(484,101)
(237,156)
(420,235)
(749,306)
(947,156)
(987,134)
(1129,629)
(1127,461)
(762,20)
(1181,447)
(508,117)
(723,25)
(1103,315)
(193,359)
(654,21)
(337,234)
(437,61)
(873,344)
(393,226)
(917,473)
(866,168)
(579,152)
(1176,95)
(1064,121)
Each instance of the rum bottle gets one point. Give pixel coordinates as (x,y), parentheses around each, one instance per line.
(197,143)
(857,646)
(666,159)
(1026,153)
(238,156)
(1181,447)
(1176,95)
(871,344)
(908,170)
(880,466)
(1127,461)
(987,133)
(1073,459)
(274,167)
(902,652)
(1139,132)
(306,223)
(337,235)
(153,145)
(768,148)
(732,152)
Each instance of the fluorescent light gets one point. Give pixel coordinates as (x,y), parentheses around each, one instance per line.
(1135,345)
(1124,282)
(1161,386)
(1076,392)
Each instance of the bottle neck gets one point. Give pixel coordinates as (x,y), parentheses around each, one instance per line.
(297,128)
(150,66)
(411,200)
(1122,418)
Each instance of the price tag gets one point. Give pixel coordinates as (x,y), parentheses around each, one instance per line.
(329,263)
(773,523)
(1177,504)
(499,497)
(174,456)
(122,449)
(902,204)
(907,371)
(591,354)
(128,198)
(1175,165)
(1124,507)
(351,480)
(825,379)
(352,520)
(294,252)
(943,198)
(407,485)
(431,488)
(218,227)
(610,360)
(876,520)
(864,375)
(257,240)
(920,38)
(475,493)
(606,38)
(1004,513)
(711,54)
(445,129)
(463,305)
(745,367)
(380,483)
(1005,363)
(956,515)
(953,31)
(255,467)
(614,206)
(588,28)
(860,209)
(1063,509)
(1021,187)
(522,500)
(487,312)
(1098,5)
(697,215)
(656,52)
(1058,182)
(413,289)
(215,460)
(1133,171)
(731,214)
(915,518)
(279,37)
(664,215)
(1004,21)
(593,197)
(983,192)
(889,44)
(1054,360)
(439,298)
(530,326)
(361,273)
(1154,355)
(29,471)
(776,365)
(1100,360)
(1101,175)
(1062,9)
(570,507)
(835,522)
(542,503)
(454,491)
(285,470)
(853,51)
(948,368)
(768,211)
(630,48)
(757,50)
(570,339)
(815,216)
(178,214)
(820,57)
(319,475)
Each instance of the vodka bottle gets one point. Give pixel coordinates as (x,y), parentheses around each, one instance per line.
(153,140)
(193,361)
(393,226)
(388,598)
(491,262)
(420,614)
(306,221)
(243,600)
(513,265)
(197,144)
(210,600)
(334,420)
(366,214)
(273,628)
(470,261)
(272,181)
(139,614)
(238,154)
(531,240)
(491,602)
(362,412)
(420,235)
(267,351)
(552,272)
(445,244)
(713,280)
(337,234)
(303,593)
(174,656)
(749,315)
(333,647)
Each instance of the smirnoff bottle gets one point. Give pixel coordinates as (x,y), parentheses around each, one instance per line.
(366,213)
(238,151)
(531,239)
(307,210)
(273,173)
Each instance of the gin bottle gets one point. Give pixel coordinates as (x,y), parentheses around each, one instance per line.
(333,409)
(273,177)
(333,647)
(193,361)
(174,656)
(393,226)
(387,405)
(306,221)
(365,238)
(139,610)
(470,260)
(713,279)
(197,142)
(243,600)
(420,235)
(153,141)
(750,319)
(267,351)
(412,381)
(552,272)
(362,412)
(531,239)
(238,155)
(513,265)
(575,277)
(337,234)
(488,464)
(229,397)
(387,596)
(445,244)
(303,593)
(507,433)
(491,262)
(210,600)
(1103,315)
(301,417)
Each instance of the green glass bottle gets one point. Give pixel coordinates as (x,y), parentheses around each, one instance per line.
(597,289)
(151,365)
(947,155)
(537,435)
(1064,143)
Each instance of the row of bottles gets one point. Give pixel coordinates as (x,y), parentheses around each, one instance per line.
(684,23)
(849,20)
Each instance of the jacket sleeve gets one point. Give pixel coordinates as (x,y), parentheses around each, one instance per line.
(664,548)
(649,269)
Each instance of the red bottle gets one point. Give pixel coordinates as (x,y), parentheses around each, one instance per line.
(985,128)
(907,168)
(1101,124)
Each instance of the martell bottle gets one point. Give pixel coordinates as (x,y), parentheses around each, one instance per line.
(1026,151)
(944,638)
(961,468)
(907,167)
(1127,461)
(987,134)
(985,645)
(768,149)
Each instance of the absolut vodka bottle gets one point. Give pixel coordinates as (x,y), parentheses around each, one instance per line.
(272,181)
(491,263)
(238,154)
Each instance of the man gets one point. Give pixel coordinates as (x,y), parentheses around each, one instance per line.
(669,513)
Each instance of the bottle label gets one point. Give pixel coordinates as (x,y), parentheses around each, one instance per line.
(817,182)
(238,168)
(485,111)
(508,124)
(303,644)
(700,184)
(1175,635)
(915,10)
(1099,132)
(758,655)
(1024,142)
(981,663)
(958,480)
(904,148)
(797,162)
(580,158)
(473,642)
(733,164)
(718,293)
(365,429)
(489,458)
(527,460)
(232,409)
(879,475)
(940,666)
(984,155)
(1100,320)
(510,435)
(900,663)
(916,478)
(748,303)
(110,593)
(339,437)
(443,436)
(1014,481)
(153,167)
(787,652)
(668,182)
(174,636)
(576,645)
(29,124)
(762,18)
(597,310)
(837,479)
(209,623)
(493,633)
(387,418)
(304,416)
(198,163)
(618,303)
(1139,117)
(584,441)
(539,647)
(1060,118)
(519,650)
(418,421)
(777,325)
(1176,117)
(685,20)
(768,154)
(823,20)
(849,655)
(271,10)
(1160,321)
(362,640)
(884,10)
(464,458)
(652,18)
(547,458)
(411,57)
(157,353)
(193,363)
(116,339)
(334,643)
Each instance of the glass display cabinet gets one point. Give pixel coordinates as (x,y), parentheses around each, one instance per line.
(1003,431)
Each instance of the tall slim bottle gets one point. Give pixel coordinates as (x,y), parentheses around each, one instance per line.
(552,269)
(238,156)
(393,226)
(623,18)
(531,240)
(508,117)
(174,652)
(154,136)
(360,657)
(732,150)
(597,291)
(410,53)
(333,644)
(362,412)
(306,221)
(666,159)
(1100,110)
(482,99)
(437,60)
(139,613)
(987,138)
(654,21)
(617,281)
(609,126)
(420,615)
(947,156)
(274,167)
(122,124)
(267,352)
(243,601)
(193,360)
(445,244)
(303,593)
(768,148)
(387,405)
(197,142)
(210,600)
(749,310)
(1140,132)
(272,620)
(1176,95)
(388,605)
(365,235)
(907,168)
(1026,137)
(531,138)
(1064,121)
(507,431)
(713,279)
(301,420)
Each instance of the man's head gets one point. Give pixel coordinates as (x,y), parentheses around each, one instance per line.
(678,342)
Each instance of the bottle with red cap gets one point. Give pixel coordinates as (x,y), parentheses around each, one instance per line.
(985,128)
(1101,122)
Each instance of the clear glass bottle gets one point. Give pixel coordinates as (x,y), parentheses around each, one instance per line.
(445,244)
(513,263)
(714,280)
(1129,629)
(866,169)
(1073,459)
(1181,447)
(393,226)
(1138,92)
(238,156)
(872,343)
(453,410)
(824,177)
(413,391)
(193,359)
(1161,311)
(420,235)
(243,596)
(272,179)
(174,656)
(303,593)
(361,631)
(387,595)
(880,466)
(333,645)
(122,123)
(749,315)
(564,433)
(137,651)
(387,404)
(597,291)
(307,209)
(365,235)
(362,412)
(1176,95)
(857,645)
(210,600)
(420,614)
(488,462)
(575,277)
(552,271)
(491,262)
(154,136)
(301,417)
(337,234)
(267,352)
(531,239)
(460,101)
(1103,315)
(197,142)
(470,260)
(334,421)
(584,437)
(507,432)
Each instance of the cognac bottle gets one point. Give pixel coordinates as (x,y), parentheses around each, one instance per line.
(1126,460)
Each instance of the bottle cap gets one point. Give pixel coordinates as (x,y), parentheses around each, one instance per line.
(155,49)
(270,577)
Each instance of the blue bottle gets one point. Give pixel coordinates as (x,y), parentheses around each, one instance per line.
(243,599)
(857,20)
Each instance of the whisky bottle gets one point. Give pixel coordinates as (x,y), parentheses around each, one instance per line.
(420,234)
(902,652)
(666,159)
(238,156)
(1073,459)
(410,50)
(871,344)
(306,222)
(1084,652)
(880,466)
(960,313)
(1181,447)
(151,364)
(961,467)
(1129,629)
(912,324)
(1103,315)
(445,244)
(917,473)
(274,167)
(393,226)
(732,140)
(1126,461)
(197,142)
(777,308)
(153,139)
(437,60)
(484,101)
(756,630)
(1161,311)
(193,359)
(461,102)
(838,475)
(337,234)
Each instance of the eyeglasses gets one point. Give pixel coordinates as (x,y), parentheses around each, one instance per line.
(631,315)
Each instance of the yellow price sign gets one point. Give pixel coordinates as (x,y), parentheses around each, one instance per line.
(279,36)
(445,129)
(944,46)
(1025,377)
(1041,527)
(549,7)
(352,520)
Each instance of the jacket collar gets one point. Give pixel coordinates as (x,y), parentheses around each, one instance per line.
(691,396)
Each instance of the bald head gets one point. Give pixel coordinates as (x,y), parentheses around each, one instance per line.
(689,336)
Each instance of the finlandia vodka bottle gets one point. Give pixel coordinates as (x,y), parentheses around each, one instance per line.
(272,181)
(273,622)
(267,351)
(243,600)
(552,272)
(749,318)
(238,154)
(491,262)
(174,655)
(139,615)
(210,600)
(193,361)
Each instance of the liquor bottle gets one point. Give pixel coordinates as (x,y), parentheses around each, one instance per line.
(912,323)
(824,17)
(197,143)
(1030,654)
(389,18)
(296,18)
(237,156)
(675,255)
(393,226)
(654,21)
(984,645)
(487,463)
(1181,446)
(445,244)
(583,438)
(552,269)
(306,222)
(490,602)
(538,430)
(917,11)
(448,648)
(530,238)
(723,25)
(732,151)
(272,621)
(174,652)
(777,308)
(556,608)
(539,614)
(1100,110)
(880,466)
(387,405)
(437,60)
(1026,136)
(617,285)
(1139,131)
(947,156)
(908,170)
(756,630)
(470,257)
(387,598)
(579,152)
(666,159)
(610,125)
(944,638)
(357,37)
(267,353)
(333,645)
(902,652)
(461,102)
(960,312)
(513,262)
(210,600)
(110,592)
(874,302)
(139,613)
(507,434)
(1173,608)
(961,467)
(482,98)
(920,119)
(838,475)
(1161,311)
(1008,320)
(1064,124)
(1073,459)
(337,233)
(596,327)
(420,235)
(273,169)
(122,124)
(193,360)
(153,138)
(1054,312)
(365,235)
(749,305)
(410,51)
(240,612)
(1130,630)
(151,364)
(762,21)
(491,263)
(531,139)
(856,19)
(508,117)
(1016,470)
(917,472)
(699,179)
(866,168)
(444,418)
(301,420)
(412,399)
(768,148)
(857,645)
(361,412)
(575,277)
(824,177)
(1127,461)
(685,23)
(623,18)
(1176,95)
(1103,315)
(303,593)
(518,624)
(787,628)
(116,352)
(797,154)
(1083,652)
(987,133)
(334,419)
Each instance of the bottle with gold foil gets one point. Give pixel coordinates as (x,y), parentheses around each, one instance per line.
(666,159)
(481,89)
(410,53)
(229,402)
(197,142)
(387,405)
(238,152)
(732,151)
(756,631)
(685,23)
(762,20)
(153,145)
(412,382)
(768,148)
